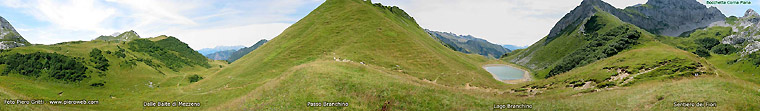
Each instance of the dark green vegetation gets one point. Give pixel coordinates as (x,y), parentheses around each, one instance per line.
(724,49)
(96,57)
(600,46)
(602,36)
(640,63)
(731,20)
(672,68)
(468,44)
(194,78)
(120,53)
(170,51)
(754,58)
(702,42)
(244,51)
(51,65)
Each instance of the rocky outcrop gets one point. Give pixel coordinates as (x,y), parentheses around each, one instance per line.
(9,37)
(673,17)
(666,17)
(747,31)
(750,14)
(120,37)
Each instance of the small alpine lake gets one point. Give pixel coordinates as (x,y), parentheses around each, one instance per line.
(504,72)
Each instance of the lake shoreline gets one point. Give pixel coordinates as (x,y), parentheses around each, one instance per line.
(526,75)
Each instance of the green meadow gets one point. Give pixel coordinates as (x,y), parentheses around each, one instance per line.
(377,57)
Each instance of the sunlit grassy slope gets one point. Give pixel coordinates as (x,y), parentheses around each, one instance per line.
(357,31)
(313,76)
(348,51)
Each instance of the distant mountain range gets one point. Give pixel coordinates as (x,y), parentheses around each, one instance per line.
(220,55)
(242,52)
(120,37)
(468,44)
(233,53)
(206,51)
(9,37)
(514,47)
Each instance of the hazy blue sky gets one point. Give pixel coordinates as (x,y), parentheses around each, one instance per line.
(209,23)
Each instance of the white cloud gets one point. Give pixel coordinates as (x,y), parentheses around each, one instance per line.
(67,20)
(245,35)
(151,11)
(200,23)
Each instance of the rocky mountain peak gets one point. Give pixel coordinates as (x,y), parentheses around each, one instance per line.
(588,2)
(665,17)
(688,4)
(4,24)
(750,13)
(9,38)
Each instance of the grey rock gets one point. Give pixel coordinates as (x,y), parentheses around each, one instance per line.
(666,17)
(750,14)
(747,31)
(10,38)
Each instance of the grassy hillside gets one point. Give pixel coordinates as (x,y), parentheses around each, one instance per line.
(598,37)
(377,86)
(114,73)
(376,57)
(349,31)
(338,37)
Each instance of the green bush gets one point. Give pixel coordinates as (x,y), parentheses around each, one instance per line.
(672,68)
(38,64)
(731,20)
(707,43)
(165,53)
(754,58)
(593,24)
(194,78)
(120,53)
(606,84)
(702,52)
(724,49)
(96,56)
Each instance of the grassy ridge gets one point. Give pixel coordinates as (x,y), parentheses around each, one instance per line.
(359,32)
(543,58)
(124,82)
(374,58)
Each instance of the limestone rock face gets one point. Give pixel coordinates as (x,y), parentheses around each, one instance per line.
(666,17)
(751,14)
(747,32)
(9,38)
